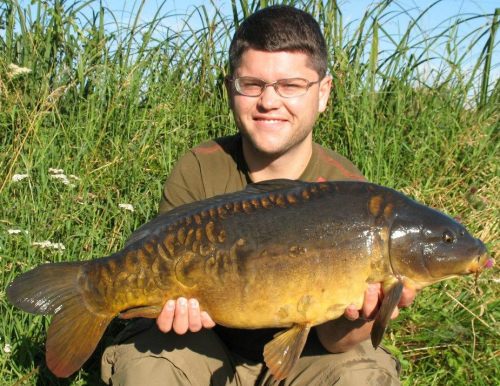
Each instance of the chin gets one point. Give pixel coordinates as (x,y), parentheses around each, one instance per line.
(271,152)
(269,146)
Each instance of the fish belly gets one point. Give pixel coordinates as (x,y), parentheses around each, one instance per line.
(282,290)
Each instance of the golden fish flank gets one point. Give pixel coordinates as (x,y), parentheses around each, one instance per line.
(308,249)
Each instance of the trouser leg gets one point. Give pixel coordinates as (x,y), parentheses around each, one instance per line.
(362,365)
(153,358)
(201,359)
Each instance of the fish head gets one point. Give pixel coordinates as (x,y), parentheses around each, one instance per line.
(427,246)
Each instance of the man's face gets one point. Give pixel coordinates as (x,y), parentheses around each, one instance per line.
(272,124)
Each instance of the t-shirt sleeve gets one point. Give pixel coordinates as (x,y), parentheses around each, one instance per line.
(328,165)
(184,185)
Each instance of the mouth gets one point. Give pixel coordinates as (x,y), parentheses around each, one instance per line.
(484,261)
(489,263)
(269,120)
(270,125)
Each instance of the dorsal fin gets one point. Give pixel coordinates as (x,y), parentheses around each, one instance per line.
(195,207)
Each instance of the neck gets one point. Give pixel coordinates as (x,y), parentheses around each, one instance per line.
(290,164)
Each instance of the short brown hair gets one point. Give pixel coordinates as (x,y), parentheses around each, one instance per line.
(280,28)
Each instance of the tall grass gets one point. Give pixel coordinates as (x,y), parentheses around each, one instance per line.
(116,105)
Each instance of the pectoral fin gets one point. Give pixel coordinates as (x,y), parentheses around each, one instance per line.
(282,352)
(151,312)
(389,303)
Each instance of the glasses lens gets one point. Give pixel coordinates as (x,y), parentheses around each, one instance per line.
(292,87)
(249,86)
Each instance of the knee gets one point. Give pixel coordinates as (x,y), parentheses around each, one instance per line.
(128,364)
(364,375)
(354,369)
(151,370)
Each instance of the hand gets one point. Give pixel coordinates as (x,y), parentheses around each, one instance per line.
(342,334)
(371,303)
(183,315)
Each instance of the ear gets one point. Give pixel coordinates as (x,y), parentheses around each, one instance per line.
(325,87)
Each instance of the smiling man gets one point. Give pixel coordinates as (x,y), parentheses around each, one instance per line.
(275,120)
(277,88)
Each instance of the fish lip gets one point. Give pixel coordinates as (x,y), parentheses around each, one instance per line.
(482,262)
(490,262)
(485,261)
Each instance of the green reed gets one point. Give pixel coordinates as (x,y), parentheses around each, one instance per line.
(117,104)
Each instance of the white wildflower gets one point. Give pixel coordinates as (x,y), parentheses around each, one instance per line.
(7,348)
(56,171)
(126,207)
(63,178)
(59,175)
(19,177)
(15,70)
(14,231)
(48,244)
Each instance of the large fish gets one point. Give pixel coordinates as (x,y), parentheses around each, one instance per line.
(277,254)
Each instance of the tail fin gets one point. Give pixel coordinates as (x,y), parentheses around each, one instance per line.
(75,330)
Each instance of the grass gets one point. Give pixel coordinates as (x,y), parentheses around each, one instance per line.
(117,105)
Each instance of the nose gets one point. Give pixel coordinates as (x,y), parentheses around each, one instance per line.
(269,99)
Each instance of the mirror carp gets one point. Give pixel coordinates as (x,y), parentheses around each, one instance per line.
(280,253)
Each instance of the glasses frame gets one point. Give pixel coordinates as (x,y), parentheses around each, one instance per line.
(274,84)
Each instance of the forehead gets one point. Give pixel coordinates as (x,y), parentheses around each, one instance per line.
(275,65)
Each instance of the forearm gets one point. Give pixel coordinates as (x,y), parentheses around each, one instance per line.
(341,335)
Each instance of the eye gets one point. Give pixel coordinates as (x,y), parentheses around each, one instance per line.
(293,83)
(448,237)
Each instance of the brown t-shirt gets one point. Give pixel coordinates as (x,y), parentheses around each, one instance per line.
(217,167)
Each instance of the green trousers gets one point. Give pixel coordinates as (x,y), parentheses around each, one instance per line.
(147,356)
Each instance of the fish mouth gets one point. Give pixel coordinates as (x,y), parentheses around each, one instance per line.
(483,261)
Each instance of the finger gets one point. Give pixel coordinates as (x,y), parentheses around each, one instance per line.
(407,297)
(351,312)
(370,304)
(194,317)
(395,313)
(166,317)
(206,320)
(181,322)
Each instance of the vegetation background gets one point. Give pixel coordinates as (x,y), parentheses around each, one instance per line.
(114,106)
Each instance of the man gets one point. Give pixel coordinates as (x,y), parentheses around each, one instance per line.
(277,88)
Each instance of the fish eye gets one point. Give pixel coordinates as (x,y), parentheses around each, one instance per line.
(448,237)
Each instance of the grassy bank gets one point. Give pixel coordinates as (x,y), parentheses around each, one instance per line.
(114,106)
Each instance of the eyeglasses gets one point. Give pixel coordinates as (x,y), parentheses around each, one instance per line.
(287,88)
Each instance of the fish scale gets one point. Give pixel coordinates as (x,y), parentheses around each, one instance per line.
(280,253)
